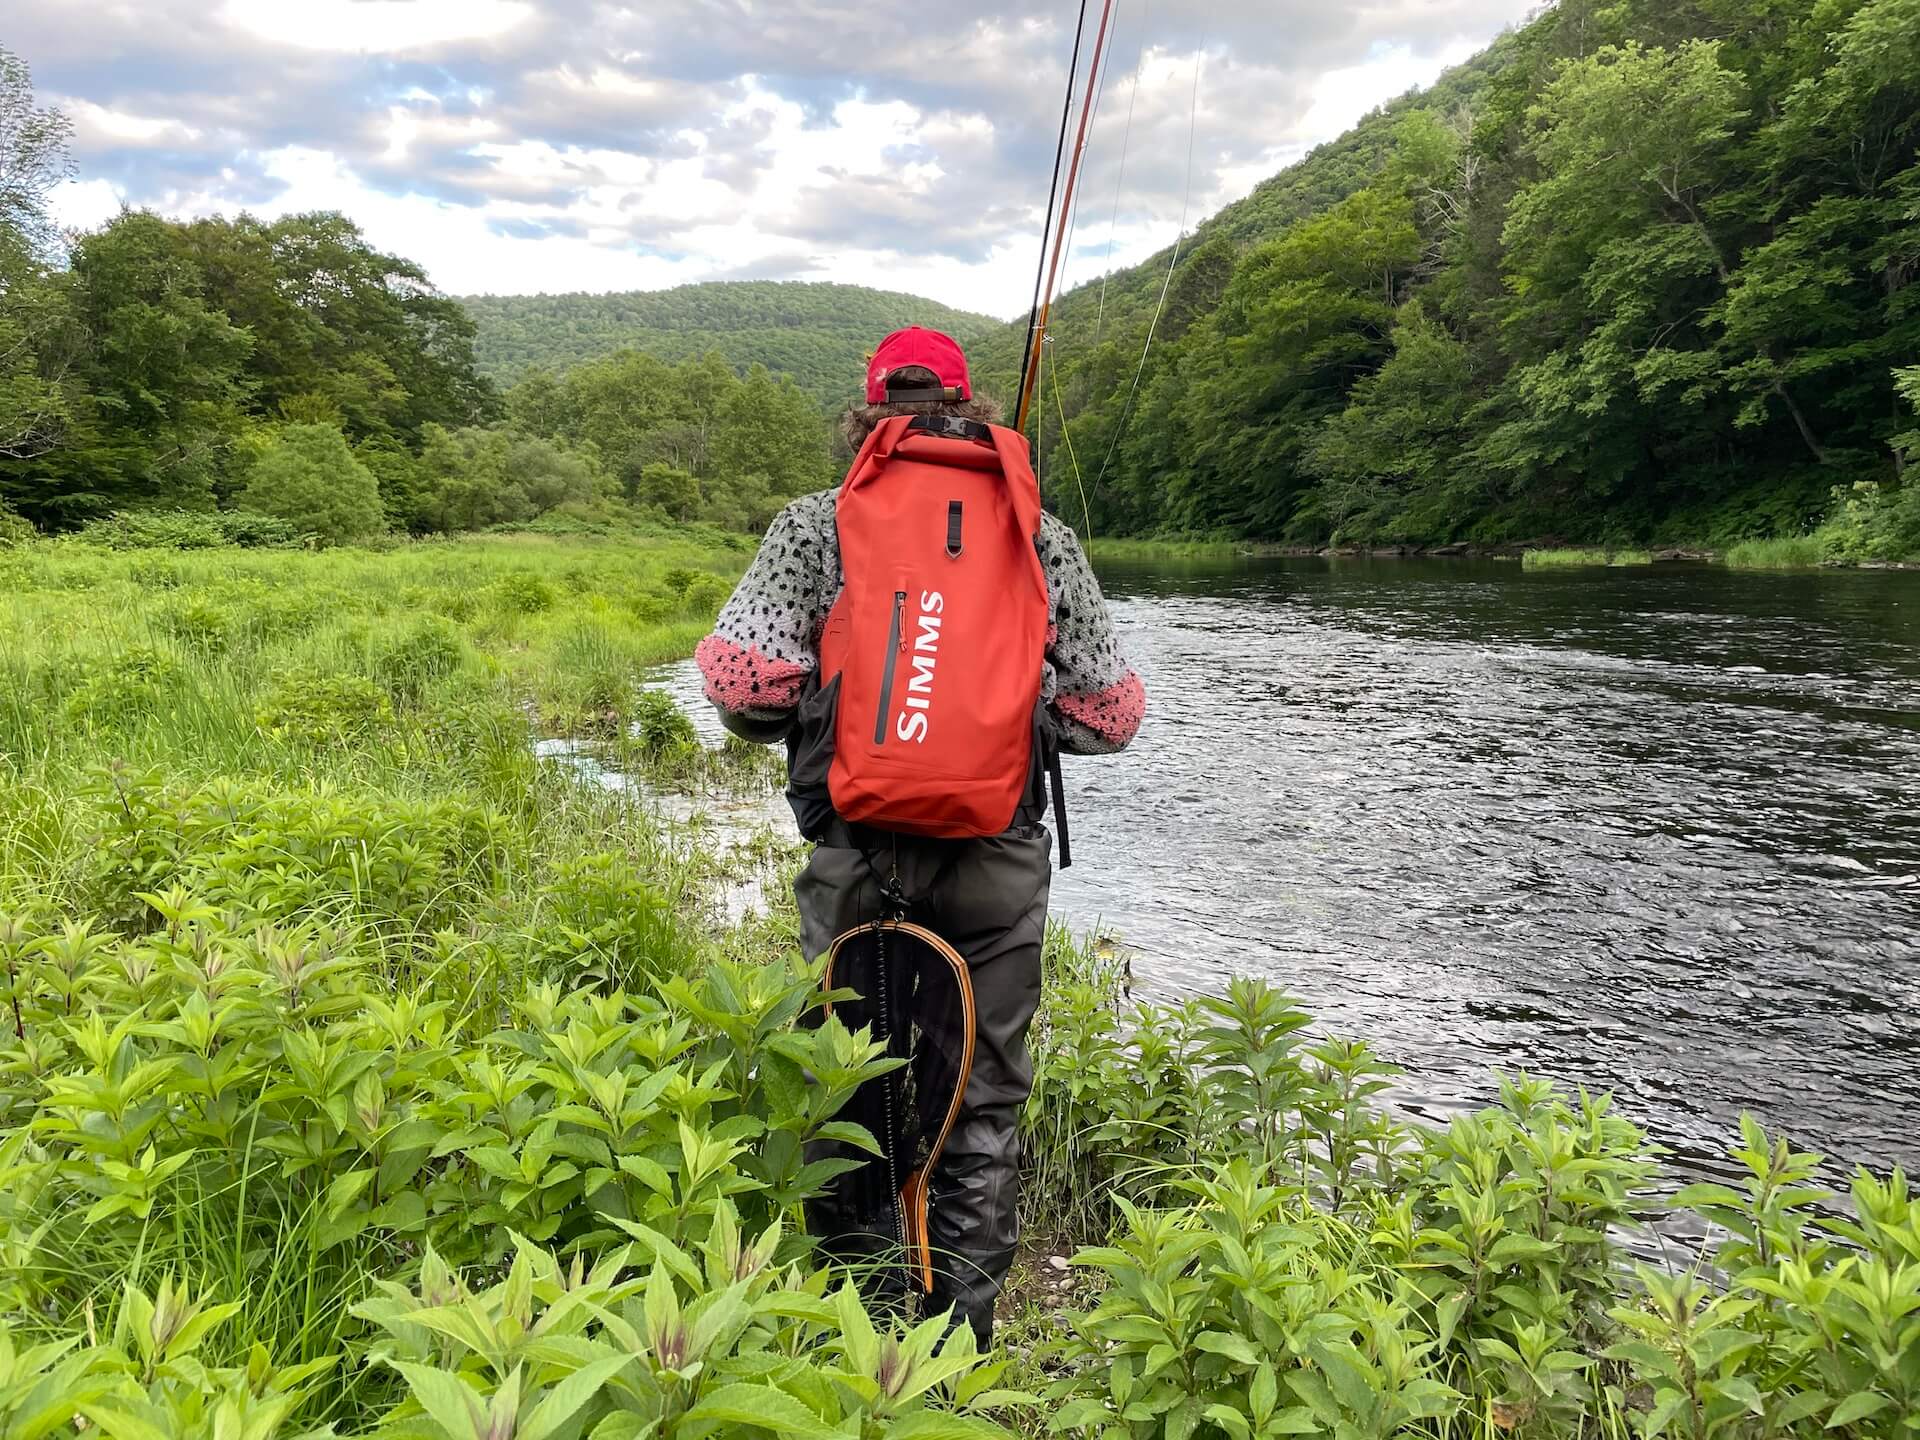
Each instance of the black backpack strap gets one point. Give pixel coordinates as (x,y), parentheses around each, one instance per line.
(1059,807)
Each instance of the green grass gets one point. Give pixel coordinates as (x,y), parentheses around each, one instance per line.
(1801,552)
(1126,551)
(335,1030)
(1577,559)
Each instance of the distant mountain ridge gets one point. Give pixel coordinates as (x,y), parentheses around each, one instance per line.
(817,332)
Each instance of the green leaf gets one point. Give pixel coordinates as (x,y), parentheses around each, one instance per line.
(1294,1420)
(121,1425)
(1079,1414)
(846,1132)
(763,1407)
(944,1425)
(453,1404)
(1857,1406)
(1234,1347)
(560,1403)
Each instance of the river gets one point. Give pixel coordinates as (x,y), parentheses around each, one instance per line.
(1651,831)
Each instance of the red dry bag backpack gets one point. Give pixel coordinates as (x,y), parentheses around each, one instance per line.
(940,630)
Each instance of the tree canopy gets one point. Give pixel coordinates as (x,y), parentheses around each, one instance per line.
(1642,269)
(817,333)
(291,367)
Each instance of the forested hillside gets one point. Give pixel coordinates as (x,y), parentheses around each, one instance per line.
(817,333)
(1643,269)
(290,369)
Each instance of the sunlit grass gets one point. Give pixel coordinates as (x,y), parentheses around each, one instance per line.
(1580,559)
(1799,552)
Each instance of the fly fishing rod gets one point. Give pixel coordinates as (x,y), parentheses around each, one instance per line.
(1042,311)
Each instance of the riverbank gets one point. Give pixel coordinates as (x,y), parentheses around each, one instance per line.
(1805,553)
(365,1071)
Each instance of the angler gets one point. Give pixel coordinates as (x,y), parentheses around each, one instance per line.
(925,640)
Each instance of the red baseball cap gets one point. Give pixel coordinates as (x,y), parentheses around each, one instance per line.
(925,349)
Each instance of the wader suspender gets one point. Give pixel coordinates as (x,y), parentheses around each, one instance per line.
(912,1195)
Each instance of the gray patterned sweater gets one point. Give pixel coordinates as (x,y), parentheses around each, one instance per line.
(765,644)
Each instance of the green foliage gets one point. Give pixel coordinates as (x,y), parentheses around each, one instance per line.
(1580,559)
(1800,552)
(705,1341)
(473,478)
(693,441)
(409,663)
(1639,272)
(1873,522)
(370,1077)
(523,592)
(818,334)
(15,530)
(189,530)
(119,688)
(309,478)
(1308,1267)
(323,709)
(142,372)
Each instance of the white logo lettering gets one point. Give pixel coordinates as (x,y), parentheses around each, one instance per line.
(915,718)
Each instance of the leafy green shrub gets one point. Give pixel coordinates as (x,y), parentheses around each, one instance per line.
(189,530)
(323,709)
(660,728)
(197,619)
(1306,1267)
(1873,522)
(310,479)
(668,489)
(251,530)
(522,592)
(144,1377)
(15,529)
(115,689)
(313,1093)
(155,572)
(707,594)
(277,855)
(606,923)
(456,604)
(650,608)
(706,1340)
(410,661)
(1582,559)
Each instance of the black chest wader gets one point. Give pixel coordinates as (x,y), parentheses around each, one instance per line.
(935,945)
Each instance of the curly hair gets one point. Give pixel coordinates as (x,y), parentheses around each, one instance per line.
(860,420)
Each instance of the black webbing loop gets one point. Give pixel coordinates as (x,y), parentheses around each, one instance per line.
(1060,810)
(953,529)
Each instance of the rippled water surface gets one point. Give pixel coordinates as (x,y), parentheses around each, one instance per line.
(1652,831)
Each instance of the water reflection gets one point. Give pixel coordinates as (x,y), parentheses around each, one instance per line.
(1647,831)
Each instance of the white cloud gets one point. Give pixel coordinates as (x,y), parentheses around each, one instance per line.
(374,27)
(84,204)
(1343,97)
(515,145)
(97,124)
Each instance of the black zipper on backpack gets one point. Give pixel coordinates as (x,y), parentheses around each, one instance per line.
(894,638)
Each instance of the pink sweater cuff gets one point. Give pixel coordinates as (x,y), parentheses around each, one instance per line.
(1114,714)
(741,678)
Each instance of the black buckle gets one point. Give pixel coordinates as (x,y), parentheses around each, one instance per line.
(952,427)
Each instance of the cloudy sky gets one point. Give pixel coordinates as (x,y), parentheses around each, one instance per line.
(529,145)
